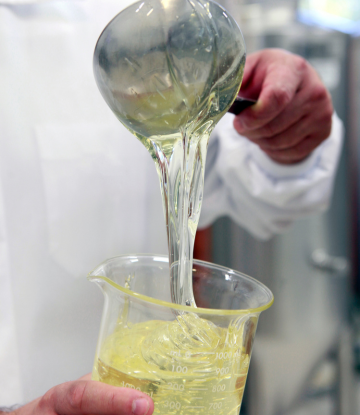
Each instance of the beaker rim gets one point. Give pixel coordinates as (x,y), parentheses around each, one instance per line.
(199,310)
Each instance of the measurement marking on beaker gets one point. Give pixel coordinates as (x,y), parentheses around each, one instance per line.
(198,389)
(180,369)
(222,371)
(197,398)
(224,355)
(200,371)
(195,407)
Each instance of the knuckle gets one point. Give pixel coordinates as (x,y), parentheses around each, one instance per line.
(325,121)
(319,93)
(302,153)
(301,64)
(47,400)
(248,123)
(329,113)
(269,130)
(281,96)
(323,135)
(75,395)
(307,146)
(112,401)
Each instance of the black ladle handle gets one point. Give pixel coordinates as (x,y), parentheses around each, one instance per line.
(240,104)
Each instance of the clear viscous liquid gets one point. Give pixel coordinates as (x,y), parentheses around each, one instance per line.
(180,162)
(185,366)
(169,70)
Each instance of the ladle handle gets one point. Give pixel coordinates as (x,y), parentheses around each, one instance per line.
(240,104)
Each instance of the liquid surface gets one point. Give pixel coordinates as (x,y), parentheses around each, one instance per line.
(186,366)
(169,70)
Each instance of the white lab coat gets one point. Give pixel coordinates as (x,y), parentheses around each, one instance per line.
(76,188)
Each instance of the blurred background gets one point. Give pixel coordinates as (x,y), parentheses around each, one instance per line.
(306,358)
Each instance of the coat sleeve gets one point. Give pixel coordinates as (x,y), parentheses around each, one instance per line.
(262,196)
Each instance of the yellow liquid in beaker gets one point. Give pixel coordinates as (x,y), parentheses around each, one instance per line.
(186,366)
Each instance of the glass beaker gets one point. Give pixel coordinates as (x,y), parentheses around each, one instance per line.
(188,360)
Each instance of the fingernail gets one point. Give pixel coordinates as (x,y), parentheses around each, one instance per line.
(140,406)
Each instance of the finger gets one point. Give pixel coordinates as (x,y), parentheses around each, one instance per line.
(286,139)
(295,154)
(90,397)
(317,125)
(280,84)
(292,114)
